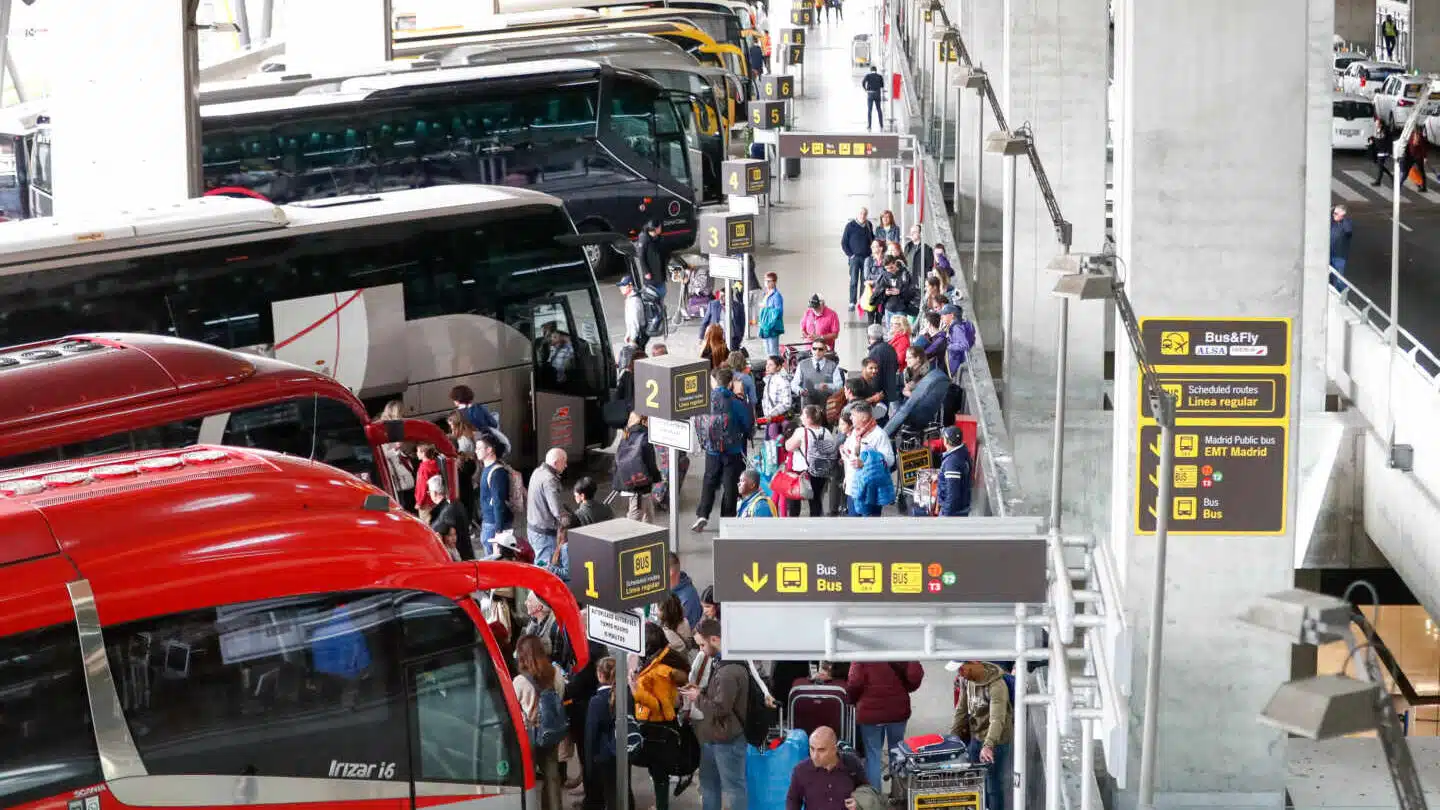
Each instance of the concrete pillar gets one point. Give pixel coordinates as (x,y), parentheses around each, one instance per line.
(982,28)
(1424,45)
(1215,232)
(336,34)
(124,126)
(1355,22)
(1318,154)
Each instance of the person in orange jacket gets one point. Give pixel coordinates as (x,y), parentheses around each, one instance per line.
(765,46)
(656,692)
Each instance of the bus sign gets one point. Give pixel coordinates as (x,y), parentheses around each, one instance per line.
(767,114)
(618,564)
(774,87)
(802,16)
(792,36)
(795,55)
(838,144)
(746,177)
(727,234)
(671,387)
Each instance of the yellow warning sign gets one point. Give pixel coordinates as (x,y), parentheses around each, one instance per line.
(1187,476)
(867,577)
(1174,343)
(790,577)
(1187,445)
(906,577)
(1184,508)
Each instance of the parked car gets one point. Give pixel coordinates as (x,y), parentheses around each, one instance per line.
(1345,59)
(1397,97)
(1353,121)
(1365,77)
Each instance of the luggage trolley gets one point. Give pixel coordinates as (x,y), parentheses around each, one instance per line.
(935,773)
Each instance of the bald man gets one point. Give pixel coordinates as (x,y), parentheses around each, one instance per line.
(827,779)
(542,505)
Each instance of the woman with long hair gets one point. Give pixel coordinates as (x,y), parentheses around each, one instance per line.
(399,458)
(636,470)
(538,675)
(714,347)
(887,230)
(678,633)
(463,435)
(657,696)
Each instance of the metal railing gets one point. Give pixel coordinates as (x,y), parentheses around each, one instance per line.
(1378,319)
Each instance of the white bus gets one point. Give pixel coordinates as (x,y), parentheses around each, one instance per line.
(399,294)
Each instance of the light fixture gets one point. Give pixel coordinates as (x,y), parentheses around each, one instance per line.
(1323,707)
(1085,286)
(1004,143)
(972,78)
(1302,617)
(943,32)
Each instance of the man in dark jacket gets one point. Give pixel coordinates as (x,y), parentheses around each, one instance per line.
(1342,229)
(723,467)
(923,399)
(919,256)
(881,694)
(684,589)
(825,780)
(874,86)
(647,249)
(855,241)
(721,730)
(953,490)
(587,509)
(887,362)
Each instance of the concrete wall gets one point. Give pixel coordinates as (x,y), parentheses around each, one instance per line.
(1318,156)
(1425,35)
(1400,509)
(1355,21)
(1212,224)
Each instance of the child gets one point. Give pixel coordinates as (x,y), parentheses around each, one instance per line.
(600,738)
(876,488)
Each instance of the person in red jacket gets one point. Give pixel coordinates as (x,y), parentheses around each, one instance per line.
(429,466)
(881,695)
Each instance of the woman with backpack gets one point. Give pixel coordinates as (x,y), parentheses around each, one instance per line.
(538,689)
(636,471)
(814,452)
(880,692)
(656,691)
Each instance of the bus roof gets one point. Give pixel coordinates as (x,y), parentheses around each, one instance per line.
(88,377)
(206,517)
(414,46)
(32,244)
(517,46)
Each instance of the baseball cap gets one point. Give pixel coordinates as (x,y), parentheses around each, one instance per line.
(953,435)
(816,300)
(875,331)
(625,281)
(507,539)
(949,309)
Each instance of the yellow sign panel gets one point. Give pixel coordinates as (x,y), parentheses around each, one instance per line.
(867,577)
(1187,445)
(906,577)
(1174,343)
(1187,476)
(790,577)
(1184,508)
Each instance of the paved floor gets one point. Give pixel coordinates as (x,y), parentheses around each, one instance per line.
(805,254)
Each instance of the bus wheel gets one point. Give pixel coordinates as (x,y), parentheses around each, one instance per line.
(606,262)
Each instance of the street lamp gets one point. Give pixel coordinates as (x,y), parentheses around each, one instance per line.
(1011,146)
(1329,706)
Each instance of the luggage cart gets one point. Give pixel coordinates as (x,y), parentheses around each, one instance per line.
(860,50)
(954,786)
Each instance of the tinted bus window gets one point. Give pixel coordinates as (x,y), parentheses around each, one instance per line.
(309,427)
(306,686)
(47,746)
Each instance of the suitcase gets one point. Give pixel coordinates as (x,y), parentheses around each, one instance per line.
(929,751)
(813,705)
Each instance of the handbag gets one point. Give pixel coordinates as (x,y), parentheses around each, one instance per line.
(785,484)
(804,487)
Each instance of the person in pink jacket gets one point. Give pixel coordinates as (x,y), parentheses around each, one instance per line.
(820,322)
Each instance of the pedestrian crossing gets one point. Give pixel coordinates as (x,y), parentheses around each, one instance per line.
(1355,186)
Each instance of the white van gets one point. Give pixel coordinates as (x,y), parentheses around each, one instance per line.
(1353,121)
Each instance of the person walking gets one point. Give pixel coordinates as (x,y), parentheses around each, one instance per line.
(1389,32)
(636,470)
(1382,150)
(874,86)
(652,258)
(772,315)
(813,451)
(880,692)
(492,491)
(1414,157)
(1342,228)
(753,500)
(542,505)
(721,727)
(986,721)
(855,242)
(953,489)
(733,421)
(634,315)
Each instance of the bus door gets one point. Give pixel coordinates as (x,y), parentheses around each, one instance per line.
(564,332)
(689,111)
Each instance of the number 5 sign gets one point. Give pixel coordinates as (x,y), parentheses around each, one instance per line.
(671,387)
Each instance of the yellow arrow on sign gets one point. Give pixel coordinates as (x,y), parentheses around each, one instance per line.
(1155,447)
(1152,512)
(755,579)
(1154,481)
(804,149)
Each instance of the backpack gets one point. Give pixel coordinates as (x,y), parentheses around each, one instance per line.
(516,501)
(759,718)
(653,311)
(713,429)
(554,724)
(631,472)
(821,453)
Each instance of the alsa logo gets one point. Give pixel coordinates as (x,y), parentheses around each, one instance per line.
(361,770)
(1210,351)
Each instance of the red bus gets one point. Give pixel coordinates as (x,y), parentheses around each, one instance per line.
(88,395)
(216,626)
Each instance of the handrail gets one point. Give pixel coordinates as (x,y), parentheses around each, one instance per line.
(1378,320)
(1382,651)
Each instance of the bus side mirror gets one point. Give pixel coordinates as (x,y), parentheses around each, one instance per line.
(491,574)
(418,431)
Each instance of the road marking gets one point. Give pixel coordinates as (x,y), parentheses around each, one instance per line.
(1345,192)
(1363,179)
(1385,191)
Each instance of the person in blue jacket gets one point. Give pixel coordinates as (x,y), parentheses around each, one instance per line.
(953,490)
(681,586)
(924,398)
(723,465)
